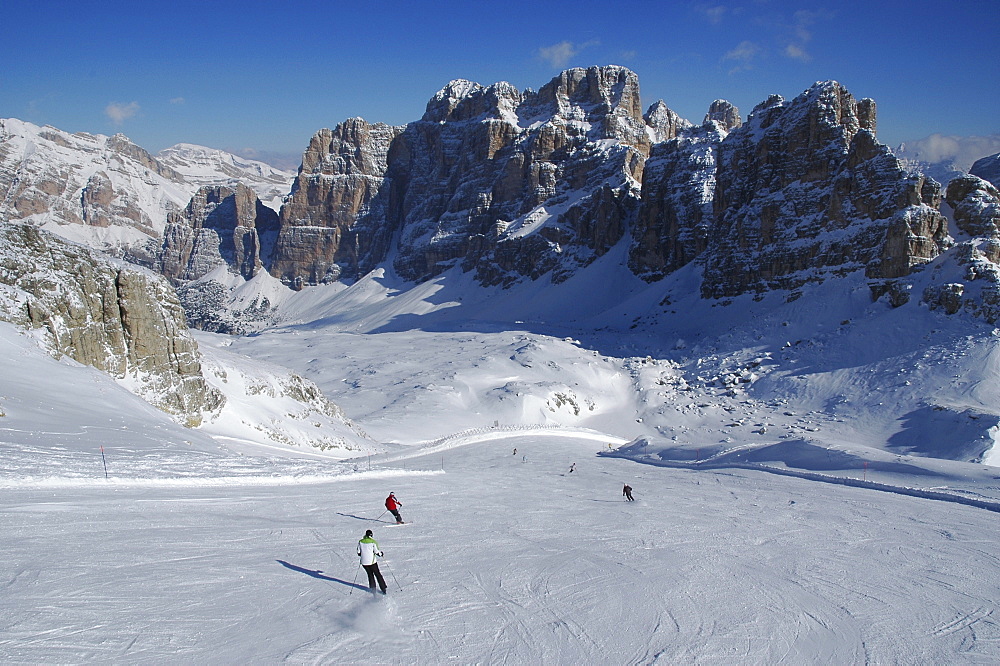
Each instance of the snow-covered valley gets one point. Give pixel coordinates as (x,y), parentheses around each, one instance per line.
(783,338)
(208,545)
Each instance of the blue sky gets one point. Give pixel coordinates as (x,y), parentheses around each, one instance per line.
(264,76)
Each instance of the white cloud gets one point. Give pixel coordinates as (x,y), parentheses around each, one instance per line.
(559,55)
(801,34)
(177,100)
(961,150)
(714,14)
(119,113)
(796,52)
(745,53)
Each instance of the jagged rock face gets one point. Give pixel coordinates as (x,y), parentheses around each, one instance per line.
(122,320)
(976,206)
(675,216)
(516,185)
(334,222)
(804,191)
(505,183)
(221,226)
(724,113)
(988,168)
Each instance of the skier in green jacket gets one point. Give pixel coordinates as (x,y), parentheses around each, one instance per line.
(368,551)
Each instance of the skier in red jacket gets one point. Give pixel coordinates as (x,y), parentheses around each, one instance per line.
(393,504)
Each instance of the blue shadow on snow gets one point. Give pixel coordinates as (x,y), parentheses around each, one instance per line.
(319,574)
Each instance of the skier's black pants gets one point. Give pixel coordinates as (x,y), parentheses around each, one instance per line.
(373,575)
(395,512)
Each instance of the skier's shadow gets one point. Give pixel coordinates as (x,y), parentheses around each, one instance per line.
(319,574)
(351,515)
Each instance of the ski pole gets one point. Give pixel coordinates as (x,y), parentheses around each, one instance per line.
(382,514)
(355,582)
(392,574)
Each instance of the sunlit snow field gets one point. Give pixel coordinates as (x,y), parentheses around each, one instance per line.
(744,544)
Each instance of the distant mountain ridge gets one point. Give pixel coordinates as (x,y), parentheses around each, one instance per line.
(108,192)
(512,186)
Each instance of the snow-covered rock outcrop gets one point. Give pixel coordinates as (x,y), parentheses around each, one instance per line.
(805,192)
(101,312)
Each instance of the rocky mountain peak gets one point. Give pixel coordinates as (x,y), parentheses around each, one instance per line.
(606,99)
(724,113)
(462,100)
(663,122)
(805,191)
(988,168)
(221,226)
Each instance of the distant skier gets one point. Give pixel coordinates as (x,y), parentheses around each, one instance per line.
(572,468)
(392,504)
(368,551)
(515,452)
(627,492)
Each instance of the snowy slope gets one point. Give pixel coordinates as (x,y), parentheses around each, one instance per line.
(508,559)
(203,166)
(47,172)
(214,545)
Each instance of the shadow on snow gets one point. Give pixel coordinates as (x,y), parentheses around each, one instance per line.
(319,574)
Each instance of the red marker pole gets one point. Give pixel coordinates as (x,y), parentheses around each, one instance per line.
(105,461)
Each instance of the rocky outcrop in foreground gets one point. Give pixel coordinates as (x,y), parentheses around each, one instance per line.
(99,312)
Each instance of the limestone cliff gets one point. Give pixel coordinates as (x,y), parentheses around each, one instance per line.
(804,191)
(221,226)
(122,320)
(505,183)
(334,223)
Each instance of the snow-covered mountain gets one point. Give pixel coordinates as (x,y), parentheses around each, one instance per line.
(108,192)
(203,166)
(758,325)
(103,191)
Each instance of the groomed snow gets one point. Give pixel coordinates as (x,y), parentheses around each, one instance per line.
(507,558)
(801,470)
